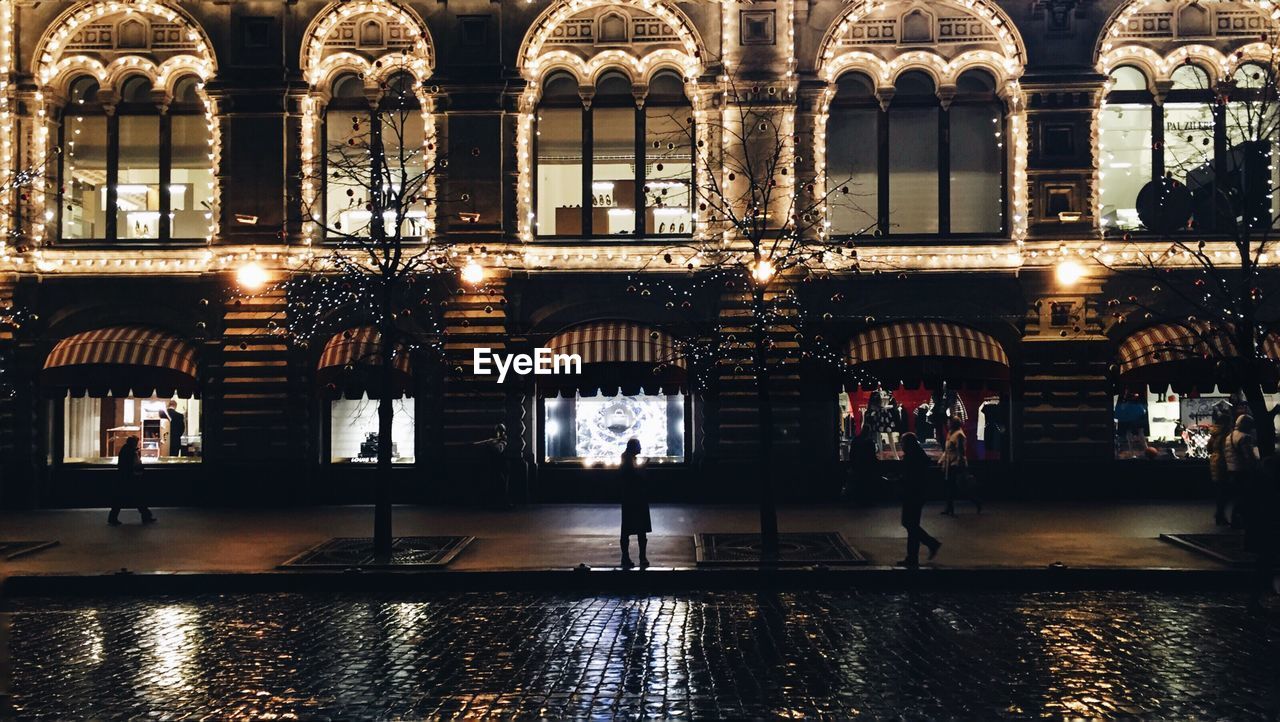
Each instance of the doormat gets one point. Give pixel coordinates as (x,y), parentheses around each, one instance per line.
(407,552)
(14,549)
(794,549)
(1227,547)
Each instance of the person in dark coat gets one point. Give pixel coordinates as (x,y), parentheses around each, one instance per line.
(635,506)
(125,489)
(863,466)
(916,469)
(177,427)
(1262,530)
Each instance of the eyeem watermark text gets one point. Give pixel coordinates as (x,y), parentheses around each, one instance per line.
(542,363)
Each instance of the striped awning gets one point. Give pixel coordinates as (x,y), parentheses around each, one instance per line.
(617,356)
(351,361)
(122,360)
(1166,343)
(1187,357)
(915,351)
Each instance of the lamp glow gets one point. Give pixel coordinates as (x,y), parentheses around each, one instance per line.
(252,276)
(472,273)
(763,270)
(1069,272)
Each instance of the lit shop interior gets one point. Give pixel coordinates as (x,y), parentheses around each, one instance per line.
(348,373)
(1132,156)
(94,429)
(1168,397)
(639,178)
(918,377)
(153,168)
(631,386)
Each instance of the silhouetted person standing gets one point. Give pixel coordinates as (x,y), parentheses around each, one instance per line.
(955,466)
(1241,456)
(125,491)
(177,427)
(635,506)
(1262,535)
(916,467)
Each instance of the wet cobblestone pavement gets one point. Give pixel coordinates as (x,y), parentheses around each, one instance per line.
(908,655)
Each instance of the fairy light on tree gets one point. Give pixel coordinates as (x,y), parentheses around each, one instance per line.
(377,262)
(760,235)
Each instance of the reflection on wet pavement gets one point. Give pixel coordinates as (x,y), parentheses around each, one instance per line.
(936,655)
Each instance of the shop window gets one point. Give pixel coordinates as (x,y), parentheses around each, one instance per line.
(1167,425)
(94,429)
(353,431)
(595,429)
(640,178)
(121,171)
(916,169)
(1141,141)
(353,170)
(873,421)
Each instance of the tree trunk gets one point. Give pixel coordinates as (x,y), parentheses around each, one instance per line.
(764,401)
(386,410)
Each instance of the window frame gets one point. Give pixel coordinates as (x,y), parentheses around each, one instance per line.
(164,150)
(883,226)
(641,143)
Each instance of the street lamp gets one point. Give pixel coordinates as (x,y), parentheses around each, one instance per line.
(1069,272)
(252,276)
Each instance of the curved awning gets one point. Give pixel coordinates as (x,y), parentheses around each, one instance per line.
(1185,357)
(927,351)
(617,356)
(122,360)
(350,366)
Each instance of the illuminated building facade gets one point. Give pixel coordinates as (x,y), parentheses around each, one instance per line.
(993,148)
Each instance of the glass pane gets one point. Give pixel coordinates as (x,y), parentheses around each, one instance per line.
(347,172)
(668,170)
(1251,133)
(596,429)
(403,135)
(613,180)
(1188,150)
(913,170)
(1124,143)
(559,172)
(1190,77)
(190,178)
(84,174)
(138,178)
(976,187)
(1128,78)
(354,431)
(852,170)
(168,430)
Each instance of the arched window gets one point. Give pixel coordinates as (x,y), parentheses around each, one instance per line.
(898,171)
(140,160)
(1141,141)
(354,169)
(640,178)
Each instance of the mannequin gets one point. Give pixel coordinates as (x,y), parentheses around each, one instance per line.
(871,417)
(889,421)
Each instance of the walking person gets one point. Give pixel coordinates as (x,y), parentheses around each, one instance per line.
(1262,537)
(916,468)
(1218,473)
(1240,454)
(955,467)
(635,506)
(125,490)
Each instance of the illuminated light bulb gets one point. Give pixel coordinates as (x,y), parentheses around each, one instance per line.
(763,270)
(252,276)
(1069,272)
(472,273)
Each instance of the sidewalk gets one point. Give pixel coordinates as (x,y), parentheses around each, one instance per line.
(1109,536)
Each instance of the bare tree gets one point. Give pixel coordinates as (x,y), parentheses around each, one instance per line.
(376,259)
(1209,271)
(762,230)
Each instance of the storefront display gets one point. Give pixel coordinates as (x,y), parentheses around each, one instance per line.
(353,431)
(595,429)
(1173,426)
(94,429)
(886,415)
